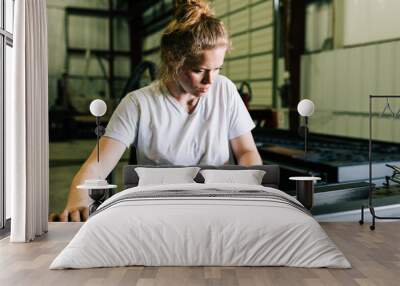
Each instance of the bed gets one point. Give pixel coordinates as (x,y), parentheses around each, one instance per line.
(201,224)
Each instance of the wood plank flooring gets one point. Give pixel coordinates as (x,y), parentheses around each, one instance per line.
(374,255)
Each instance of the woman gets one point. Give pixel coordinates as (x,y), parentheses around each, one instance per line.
(191,116)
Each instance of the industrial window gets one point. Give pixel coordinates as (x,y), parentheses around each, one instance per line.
(6,43)
(250,25)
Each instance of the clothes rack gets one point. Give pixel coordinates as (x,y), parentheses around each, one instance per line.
(372,187)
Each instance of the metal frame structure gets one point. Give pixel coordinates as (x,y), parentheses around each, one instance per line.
(395,177)
(108,54)
(371,186)
(293,41)
(137,30)
(276,52)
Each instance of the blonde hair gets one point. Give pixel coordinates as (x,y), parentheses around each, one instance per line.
(193,29)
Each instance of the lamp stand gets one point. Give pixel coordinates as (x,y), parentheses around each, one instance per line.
(98,136)
(305,136)
(100,130)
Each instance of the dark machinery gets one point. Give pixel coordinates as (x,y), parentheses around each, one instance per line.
(261,117)
(245,95)
(134,81)
(395,177)
(333,158)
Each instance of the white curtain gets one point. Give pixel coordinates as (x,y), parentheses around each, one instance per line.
(27,145)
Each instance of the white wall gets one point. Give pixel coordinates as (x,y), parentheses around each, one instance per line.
(340,81)
(366,62)
(370,20)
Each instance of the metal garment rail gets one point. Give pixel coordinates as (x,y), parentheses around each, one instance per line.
(371,187)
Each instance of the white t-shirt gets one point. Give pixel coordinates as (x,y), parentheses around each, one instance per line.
(163,132)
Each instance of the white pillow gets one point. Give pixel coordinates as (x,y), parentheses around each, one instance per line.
(163,176)
(249,177)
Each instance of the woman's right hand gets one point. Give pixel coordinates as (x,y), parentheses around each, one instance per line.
(77,208)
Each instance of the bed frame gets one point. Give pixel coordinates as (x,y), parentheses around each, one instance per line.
(270,179)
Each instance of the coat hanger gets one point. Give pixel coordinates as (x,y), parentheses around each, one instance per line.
(387,106)
(398,114)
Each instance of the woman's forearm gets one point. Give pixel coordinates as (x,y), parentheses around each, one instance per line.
(88,171)
(250,158)
(110,153)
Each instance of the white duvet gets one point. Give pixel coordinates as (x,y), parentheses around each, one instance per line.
(185,230)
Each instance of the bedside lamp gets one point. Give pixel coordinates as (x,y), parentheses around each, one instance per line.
(306,109)
(305,184)
(98,108)
(98,189)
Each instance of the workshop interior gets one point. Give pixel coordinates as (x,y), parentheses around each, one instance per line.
(283,52)
(343,56)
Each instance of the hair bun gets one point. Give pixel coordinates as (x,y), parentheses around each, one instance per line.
(188,12)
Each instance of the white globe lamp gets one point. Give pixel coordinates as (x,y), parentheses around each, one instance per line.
(98,107)
(305,108)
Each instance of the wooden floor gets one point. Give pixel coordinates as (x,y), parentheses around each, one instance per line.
(374,255)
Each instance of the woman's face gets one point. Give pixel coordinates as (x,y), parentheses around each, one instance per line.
(197,75)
